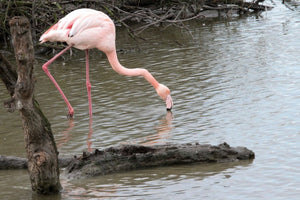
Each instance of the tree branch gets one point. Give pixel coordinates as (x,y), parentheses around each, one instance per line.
(8,74)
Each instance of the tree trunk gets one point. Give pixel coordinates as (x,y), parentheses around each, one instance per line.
(39,142)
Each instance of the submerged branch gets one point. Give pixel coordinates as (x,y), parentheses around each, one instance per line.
(131,157)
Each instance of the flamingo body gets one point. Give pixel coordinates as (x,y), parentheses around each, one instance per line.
(87,29)
(84,29)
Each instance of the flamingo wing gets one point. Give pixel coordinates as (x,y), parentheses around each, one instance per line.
(84,23)
(71,24)
(57,32)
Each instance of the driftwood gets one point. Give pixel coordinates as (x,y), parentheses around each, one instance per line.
(130,157)
(12,162)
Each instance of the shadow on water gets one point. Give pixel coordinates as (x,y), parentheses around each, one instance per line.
(136,183)
(129,184)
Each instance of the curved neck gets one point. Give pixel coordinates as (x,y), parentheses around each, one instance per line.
(114,62)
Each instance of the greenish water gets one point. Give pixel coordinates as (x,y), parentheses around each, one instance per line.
(234,81)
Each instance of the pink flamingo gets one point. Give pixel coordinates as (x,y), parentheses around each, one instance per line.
(87,29)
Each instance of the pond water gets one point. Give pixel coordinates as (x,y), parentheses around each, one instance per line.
(233,80)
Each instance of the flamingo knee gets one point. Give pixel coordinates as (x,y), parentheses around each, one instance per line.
(45,67)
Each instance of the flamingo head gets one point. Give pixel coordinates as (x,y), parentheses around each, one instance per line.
(164,92)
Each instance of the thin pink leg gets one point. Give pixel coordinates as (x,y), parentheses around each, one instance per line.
(89,142)
(88,83)
(45,68)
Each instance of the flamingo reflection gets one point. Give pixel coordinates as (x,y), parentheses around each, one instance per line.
(89,142)
(163,130)
(75,191)
(66,134)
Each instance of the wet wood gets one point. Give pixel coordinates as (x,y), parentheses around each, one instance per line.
(39,142)
(13,162)
(8,74)
(131,157)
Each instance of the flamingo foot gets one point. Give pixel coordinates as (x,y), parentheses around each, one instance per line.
(70,115)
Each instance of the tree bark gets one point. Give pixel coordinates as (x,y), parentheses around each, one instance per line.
(13,162)
(39,142)
(130,157)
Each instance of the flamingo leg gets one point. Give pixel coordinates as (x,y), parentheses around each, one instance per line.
(88,83)
(45,68)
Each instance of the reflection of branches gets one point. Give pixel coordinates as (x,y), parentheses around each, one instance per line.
(287,4)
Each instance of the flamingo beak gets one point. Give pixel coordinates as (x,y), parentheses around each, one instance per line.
(169,102)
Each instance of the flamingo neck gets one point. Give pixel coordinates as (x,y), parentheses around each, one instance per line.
(114,62)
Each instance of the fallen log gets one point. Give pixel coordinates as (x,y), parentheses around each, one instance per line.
(131,157)
(13,162)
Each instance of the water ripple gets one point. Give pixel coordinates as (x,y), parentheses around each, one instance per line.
(235,81)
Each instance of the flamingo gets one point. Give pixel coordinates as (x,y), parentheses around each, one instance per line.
(86,29)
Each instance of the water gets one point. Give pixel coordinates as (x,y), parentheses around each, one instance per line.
(234,81)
